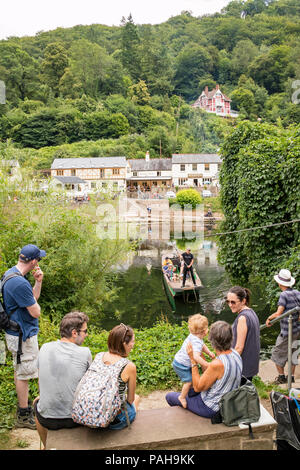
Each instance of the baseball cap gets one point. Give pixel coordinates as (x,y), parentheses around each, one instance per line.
(30,252)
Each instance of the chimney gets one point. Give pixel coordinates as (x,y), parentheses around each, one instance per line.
(206,90)
(217,87)
(147,156)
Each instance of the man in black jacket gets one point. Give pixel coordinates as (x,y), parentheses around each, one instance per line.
(188,260)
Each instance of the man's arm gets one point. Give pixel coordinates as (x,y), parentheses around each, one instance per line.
(34,310)
(38,276)
(278,312)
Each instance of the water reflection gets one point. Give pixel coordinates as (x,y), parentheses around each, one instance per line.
(142,298)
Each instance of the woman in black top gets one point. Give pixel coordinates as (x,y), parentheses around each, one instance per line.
(246,330)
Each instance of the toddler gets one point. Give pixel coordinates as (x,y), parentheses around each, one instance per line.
(198,327)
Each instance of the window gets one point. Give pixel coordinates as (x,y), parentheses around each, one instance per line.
(182,167)
(206,166)
(102,173)
(73,172)
(134,173)
(60,172)
(104,185)
(182,181)
(194,167)
(93,185)
(116,171)
(158,173)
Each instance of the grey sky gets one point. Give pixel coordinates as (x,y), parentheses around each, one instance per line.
(27,17)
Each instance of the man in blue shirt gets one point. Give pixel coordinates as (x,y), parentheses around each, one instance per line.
(289,299)
(20,301)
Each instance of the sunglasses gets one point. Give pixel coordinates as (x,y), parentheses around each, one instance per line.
(126,329)
(232,302)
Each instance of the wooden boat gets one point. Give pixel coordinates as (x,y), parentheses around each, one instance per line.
(173,283)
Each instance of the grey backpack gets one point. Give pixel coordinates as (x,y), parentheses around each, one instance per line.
(240,406)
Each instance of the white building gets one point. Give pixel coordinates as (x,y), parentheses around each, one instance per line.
(150,173)
(88,174)
(195,169)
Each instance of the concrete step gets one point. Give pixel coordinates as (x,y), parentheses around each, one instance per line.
(167,429)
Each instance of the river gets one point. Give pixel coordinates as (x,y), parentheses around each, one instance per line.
(142,300)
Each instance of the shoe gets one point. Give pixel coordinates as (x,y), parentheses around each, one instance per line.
(182,287)
(25,421)
(281,379)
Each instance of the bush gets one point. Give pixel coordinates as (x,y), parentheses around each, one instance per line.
(187,197)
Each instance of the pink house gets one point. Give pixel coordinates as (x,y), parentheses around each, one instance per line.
(215,102)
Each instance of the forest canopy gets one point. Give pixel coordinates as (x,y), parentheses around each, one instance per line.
(135,83)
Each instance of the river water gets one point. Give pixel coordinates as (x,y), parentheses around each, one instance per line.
(142,299)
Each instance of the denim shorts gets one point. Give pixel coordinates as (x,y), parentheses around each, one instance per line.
(183,372)
(120,421)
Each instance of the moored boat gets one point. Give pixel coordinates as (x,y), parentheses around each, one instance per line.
(173,280)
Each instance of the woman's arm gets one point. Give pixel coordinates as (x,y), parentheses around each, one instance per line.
(241,334)
(129,375)
(200,360)
(214,371)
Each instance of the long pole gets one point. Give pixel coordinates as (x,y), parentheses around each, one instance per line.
(290,340)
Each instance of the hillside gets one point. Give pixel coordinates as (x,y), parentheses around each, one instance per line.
(127,89)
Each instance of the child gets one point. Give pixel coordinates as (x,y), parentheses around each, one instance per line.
(198,327)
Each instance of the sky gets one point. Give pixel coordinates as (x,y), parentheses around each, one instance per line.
(27,17)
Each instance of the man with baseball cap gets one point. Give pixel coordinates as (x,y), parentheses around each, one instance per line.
(20,302)
(289,299)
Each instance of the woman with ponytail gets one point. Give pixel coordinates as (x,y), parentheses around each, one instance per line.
(246,330)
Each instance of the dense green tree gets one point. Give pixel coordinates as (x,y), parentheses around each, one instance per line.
(193,62)
(271,69)
(130,48)
(54,65)
(19,71)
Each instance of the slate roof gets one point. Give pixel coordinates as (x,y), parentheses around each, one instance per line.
(211,94)
(154,164)
(69,179)
(196,158)
(86,162)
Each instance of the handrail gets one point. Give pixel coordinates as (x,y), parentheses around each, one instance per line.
(275,320)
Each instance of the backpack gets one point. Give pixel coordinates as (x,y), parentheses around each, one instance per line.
(239,406)
(287,415)
(5,322)
(97,400)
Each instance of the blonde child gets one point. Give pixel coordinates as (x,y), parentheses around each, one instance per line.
(198,327)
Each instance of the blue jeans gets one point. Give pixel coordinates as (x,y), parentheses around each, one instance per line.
(120,421)
(194,403)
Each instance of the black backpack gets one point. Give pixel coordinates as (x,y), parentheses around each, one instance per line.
(5,321)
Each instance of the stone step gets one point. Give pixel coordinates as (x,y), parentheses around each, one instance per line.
(167,429)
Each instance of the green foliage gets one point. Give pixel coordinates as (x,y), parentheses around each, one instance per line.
(188,198)
(95,82)
(260,186)
(77,266)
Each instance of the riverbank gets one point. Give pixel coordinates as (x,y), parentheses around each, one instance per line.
(26,439)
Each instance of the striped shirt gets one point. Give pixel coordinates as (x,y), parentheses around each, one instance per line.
(182,356)
(289,299)
(231,379)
